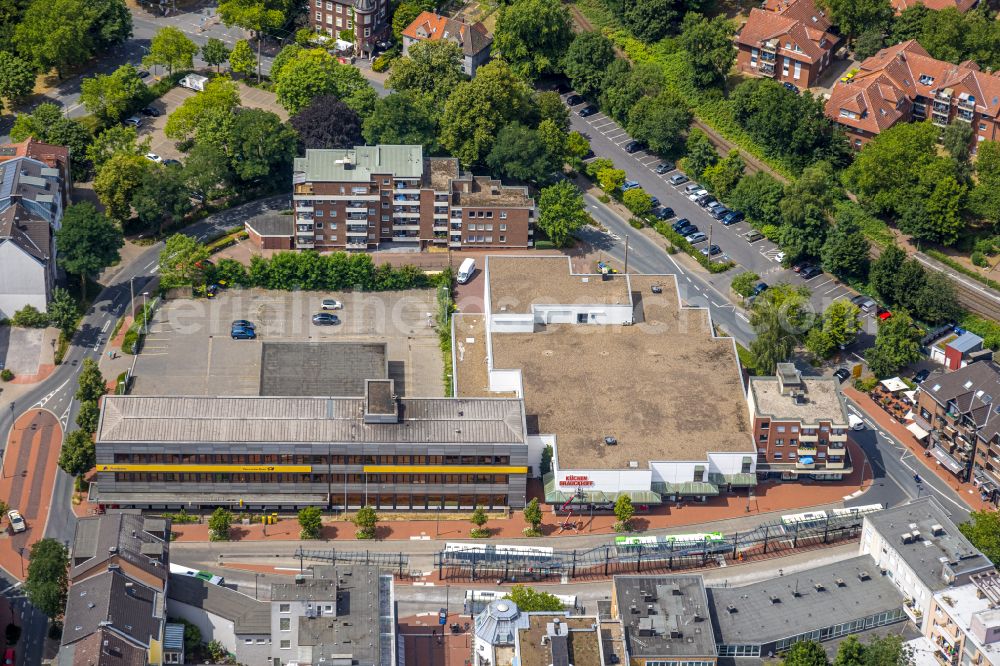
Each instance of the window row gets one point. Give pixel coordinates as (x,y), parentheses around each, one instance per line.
(300,459)
(315,479)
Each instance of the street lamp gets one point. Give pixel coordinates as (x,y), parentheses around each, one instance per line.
(145,319)
(131,295)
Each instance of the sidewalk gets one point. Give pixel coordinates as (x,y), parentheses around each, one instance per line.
(968,492)
(768,497)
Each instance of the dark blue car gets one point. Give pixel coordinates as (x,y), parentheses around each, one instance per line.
(243,333)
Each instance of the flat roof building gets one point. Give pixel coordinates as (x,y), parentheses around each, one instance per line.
(967,622)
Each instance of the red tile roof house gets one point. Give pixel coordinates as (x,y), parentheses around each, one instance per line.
(937,5)
(787,40)
(905,83)
(473,39)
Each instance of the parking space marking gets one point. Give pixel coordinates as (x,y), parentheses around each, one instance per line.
(617,134)
(830,291)
(815,287)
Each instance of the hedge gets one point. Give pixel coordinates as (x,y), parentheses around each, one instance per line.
(679,241)
(968,272)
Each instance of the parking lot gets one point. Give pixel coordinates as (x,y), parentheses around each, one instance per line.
(189,350)
(608,139)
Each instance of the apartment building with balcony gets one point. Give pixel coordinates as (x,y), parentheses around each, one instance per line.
(964,623)
(922,552)
(904,83)
(961,413)
(800,426)
(787,40)
(364,197)
(366,20)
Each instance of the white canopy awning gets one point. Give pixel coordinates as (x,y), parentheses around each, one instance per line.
(895,384)
(917,431)
(945,459)
(911,395)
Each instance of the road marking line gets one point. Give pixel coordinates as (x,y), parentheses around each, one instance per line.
(104,329)
(830,291)
(817,286)
(742,316)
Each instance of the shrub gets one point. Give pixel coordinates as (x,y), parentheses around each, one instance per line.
(29,317)
(381,63)
(866,384)
(6,374)
(636,223)
(978,259)
(744,283)
(130,341)
(986,245)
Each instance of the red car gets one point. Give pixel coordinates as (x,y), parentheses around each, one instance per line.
(883,314)
(9,657)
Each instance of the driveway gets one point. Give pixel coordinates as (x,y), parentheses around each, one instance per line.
(608,138)
(21,349)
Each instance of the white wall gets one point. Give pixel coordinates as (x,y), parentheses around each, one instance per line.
(22,281)
(537,444)
(596,314)
(607,480)
(674,471)
(886,557)
(512,323)
(213,627)
(731,463)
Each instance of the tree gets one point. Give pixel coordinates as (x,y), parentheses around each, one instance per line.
(910,23)
(533,514)
(365,521)
(88,417)
(241,58)
(885,272)
(310,522)
(759,197)
(260,145)
(935,299)
(219,524)
(701,154)
(405,14)
(163,196)
(561,212)
(110,97)
(520,153)
(985,196)
(111,23)
(624,86)
(651,20)
(430,68)
(63,311)
(779,317)
(55,34)
(708,45)
(171,48)
(214,53)
(312,73)
(181,261)
(983,530)
(16,78)
(587,60)
(533,35)
(479,519)
(48,125)
(221,95)
(530,600)
(117,139)
(577,148)
(660,122)
(841,323)
(255,15)
(88,242)
(957,140)
(637,201)
(611,180)
(78,454)
(545,464)
(845,251)
(476,110)
(90,382)
(850,653)
(854,17)
(553,139)
(624,511)
(805,653)
(888,650)
(868,44)
(897,344)
(744,283)
(47,579)
(327,123)
(117,183)
(206,169)
(723,176)
(402,119)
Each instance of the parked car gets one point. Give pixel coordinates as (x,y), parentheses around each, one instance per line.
(688,229)
(325,319)
(799,266)
(17,524)
(134,121)
(574,99)
(711,250)
(678,179)
(243,323)
(922,376)
(866,303)
(9,657)
(719,212)
(790,87)
(588,110)
(883,314)
(732,217)
(697,194)
(759,289)
(842,374)
(691,187)
(332,304)
(681,223)
(705,200)
(780,257)
(753,236)
(589,154)
(664,167)
(633,146)
(629,185)
(150,111)
(655,201)
(663,213)
(153,157)
(239,333)
(810,273)
(854,421)
(142,73)
(696,238)
(171,162)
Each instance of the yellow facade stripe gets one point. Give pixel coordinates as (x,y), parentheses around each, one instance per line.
(254,469)
(445,469)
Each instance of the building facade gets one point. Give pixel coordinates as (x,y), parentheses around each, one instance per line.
(361,198)
(964,623)
(904,83)
(789,41)
(959,411)
(473,39)
(367,20)
(800,425)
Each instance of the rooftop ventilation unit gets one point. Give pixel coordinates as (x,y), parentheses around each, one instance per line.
(863,575)
(731,608)
(937,530)
(819,587)
(840,582)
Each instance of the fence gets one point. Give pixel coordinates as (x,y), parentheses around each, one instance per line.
(509,565)
(396,561)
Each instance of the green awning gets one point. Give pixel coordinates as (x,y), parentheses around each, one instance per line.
(740,480)
(690,488)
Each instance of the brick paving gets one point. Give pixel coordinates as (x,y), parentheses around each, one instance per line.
(427,643)
(27,477)
(967,492)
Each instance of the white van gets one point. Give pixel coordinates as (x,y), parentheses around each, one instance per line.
(194,82)
(466,270)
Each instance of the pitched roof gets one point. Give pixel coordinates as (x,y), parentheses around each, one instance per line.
(114,601)
(29,232)
(795,22)
(126,535)
(432,27)
(975,391)
(248,616)
(883,91)
(937,5)
(103,648)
